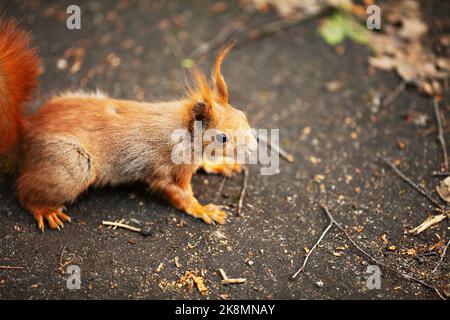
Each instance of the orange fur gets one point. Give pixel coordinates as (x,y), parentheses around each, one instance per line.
(220,85)
(19,67)
(78,140)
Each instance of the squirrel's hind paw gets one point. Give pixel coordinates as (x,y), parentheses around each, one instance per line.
(54,217)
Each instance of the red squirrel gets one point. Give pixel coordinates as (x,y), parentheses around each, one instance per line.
(77,140)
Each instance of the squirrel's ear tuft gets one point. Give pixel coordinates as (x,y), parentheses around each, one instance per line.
(202,111)
(202,91)
(201,97)
(220,87)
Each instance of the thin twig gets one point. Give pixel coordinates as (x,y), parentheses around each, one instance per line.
(275,26)
(429,222)
(440,132)
(406,276)
(223,274)
(243,191)
(226,280)
(285,155)
(394,94)
(121,225)
(302,268)
(11,268)
(233,281)
(442,258)
(222,183)
(223,36)
(441,174)
(412,184)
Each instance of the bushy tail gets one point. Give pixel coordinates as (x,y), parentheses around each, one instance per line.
(19,68)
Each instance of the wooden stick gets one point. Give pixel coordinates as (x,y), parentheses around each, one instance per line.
(302,268)
(223,36)
(394,94)
(376,261)
(11,268)
(429,222)
(243,191)
(226,280)
(441,174)
(275,26)
(406,276)
(121,225)
(442,258)
(440,132)
(233,281)
(222,183)
(120,221)
(412,184)
(223,274)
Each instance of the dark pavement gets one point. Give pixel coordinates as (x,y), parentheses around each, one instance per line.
(280,81)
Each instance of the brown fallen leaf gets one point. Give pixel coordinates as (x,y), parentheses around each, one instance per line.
(290,8)
(400,47)
(443,189)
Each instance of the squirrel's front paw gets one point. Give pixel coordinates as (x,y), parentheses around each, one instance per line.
(223,167)
(54,217)
(209,214)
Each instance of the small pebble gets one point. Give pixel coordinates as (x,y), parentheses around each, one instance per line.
(319,284)
(146,231)
(61,64)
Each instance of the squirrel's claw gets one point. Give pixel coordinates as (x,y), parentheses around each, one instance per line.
(210,214)
(54,218)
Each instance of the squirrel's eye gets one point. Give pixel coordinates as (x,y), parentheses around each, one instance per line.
(221,138)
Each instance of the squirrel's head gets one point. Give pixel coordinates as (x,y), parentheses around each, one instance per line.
(226,125)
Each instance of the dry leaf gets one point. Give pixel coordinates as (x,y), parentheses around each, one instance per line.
(443,189)
(400,48)
(289,8)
